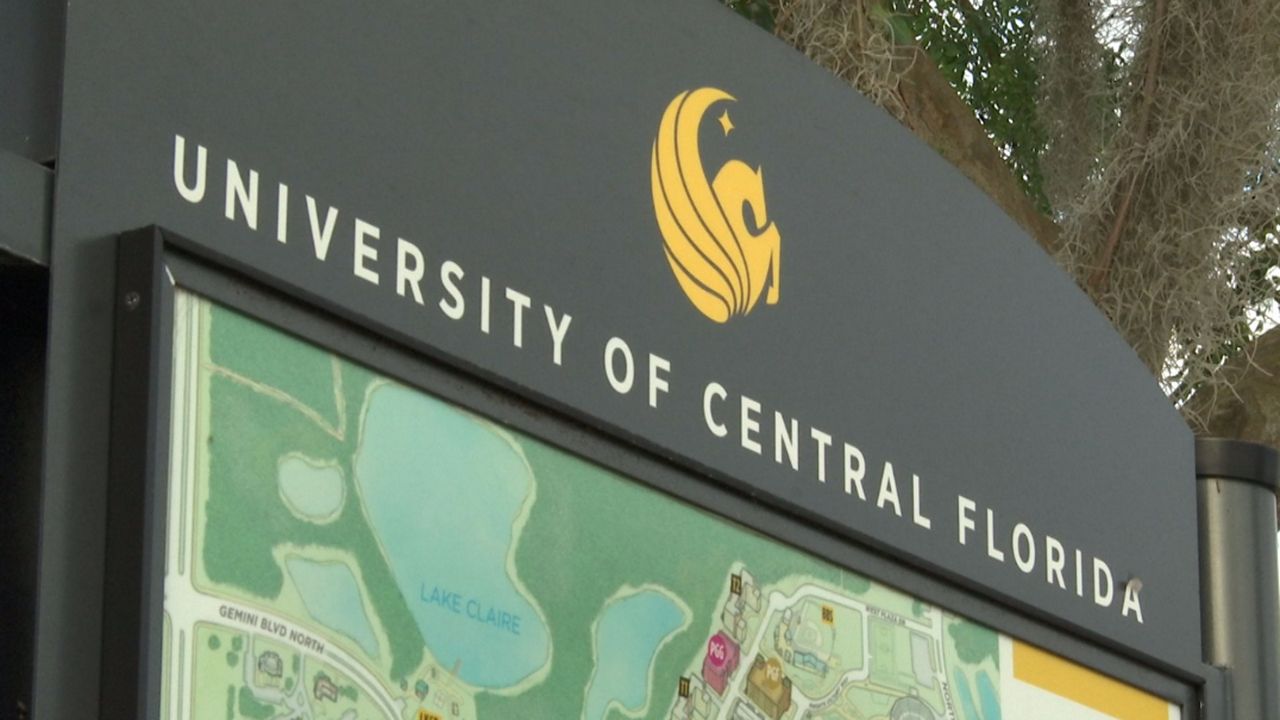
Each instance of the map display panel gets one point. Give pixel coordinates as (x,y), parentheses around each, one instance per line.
(341,545)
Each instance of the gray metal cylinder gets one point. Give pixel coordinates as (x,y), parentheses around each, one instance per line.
(1240,604)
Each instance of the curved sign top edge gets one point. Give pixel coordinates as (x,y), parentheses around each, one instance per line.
(588,204)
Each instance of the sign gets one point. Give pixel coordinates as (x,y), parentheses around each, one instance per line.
(591,204)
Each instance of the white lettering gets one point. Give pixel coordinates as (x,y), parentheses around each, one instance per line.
(782,440)
(519,303)
(406,275)
(750,425)
(854,472)
(238,195)
(192,194)
(454,306)
(282,212)
(365,251)
(559,328)
(1054,561)
(823,441)
(320,238)
(1131,602)
(1102,580)
(484,304)
(965,506)
(1079,574)
(713,389)
(992,552)
(657,382)
(1024,548)
(918,517)
(616,345)
(888,490)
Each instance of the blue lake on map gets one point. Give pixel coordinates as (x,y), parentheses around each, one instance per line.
(330,593)
(313,491)
(443,490)
(628,635)
(988,697)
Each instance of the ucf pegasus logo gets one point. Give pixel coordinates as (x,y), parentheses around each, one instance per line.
(721,263)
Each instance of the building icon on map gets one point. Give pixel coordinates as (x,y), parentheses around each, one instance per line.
(721,662)
(744,600)
(270,664)
(325,689)
(768,687)
(698,704)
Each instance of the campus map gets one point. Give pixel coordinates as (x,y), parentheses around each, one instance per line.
(342,546)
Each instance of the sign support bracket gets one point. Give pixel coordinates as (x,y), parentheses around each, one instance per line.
(1240,609)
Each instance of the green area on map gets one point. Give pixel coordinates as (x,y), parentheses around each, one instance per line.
(344,546)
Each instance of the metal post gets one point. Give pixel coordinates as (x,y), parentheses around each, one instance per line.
(1240,609)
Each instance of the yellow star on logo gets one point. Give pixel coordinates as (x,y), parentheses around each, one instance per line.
(725,122)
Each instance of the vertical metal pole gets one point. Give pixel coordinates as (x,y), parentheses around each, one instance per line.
(1240,607)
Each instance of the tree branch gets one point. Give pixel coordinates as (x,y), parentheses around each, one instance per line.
(1250,410)
(1098,281)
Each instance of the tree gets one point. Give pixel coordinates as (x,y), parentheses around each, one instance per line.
(974,643)
(1138,144)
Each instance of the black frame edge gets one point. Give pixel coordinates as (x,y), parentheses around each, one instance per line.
(130,661)
(1215,697)
(132,630)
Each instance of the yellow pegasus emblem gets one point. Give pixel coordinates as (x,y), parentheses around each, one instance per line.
(721,265)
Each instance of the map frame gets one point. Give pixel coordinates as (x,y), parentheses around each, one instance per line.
(153,264)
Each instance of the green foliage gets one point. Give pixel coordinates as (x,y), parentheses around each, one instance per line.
(251,708)
(759,12)
(987,52)
(246,518)
(974,643)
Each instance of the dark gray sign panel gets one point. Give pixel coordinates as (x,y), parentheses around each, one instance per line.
(666,223)
(31,55)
